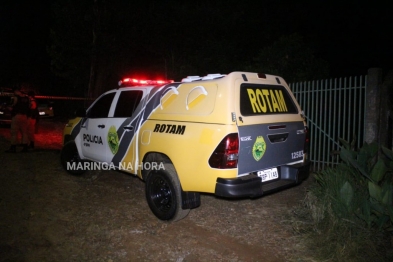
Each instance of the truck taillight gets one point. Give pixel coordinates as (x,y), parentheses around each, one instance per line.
(307,141)
(226,154)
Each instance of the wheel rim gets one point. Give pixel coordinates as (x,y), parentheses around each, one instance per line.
(72,156)
(75,157)
(161,194)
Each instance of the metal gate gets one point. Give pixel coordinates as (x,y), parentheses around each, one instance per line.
(334,109)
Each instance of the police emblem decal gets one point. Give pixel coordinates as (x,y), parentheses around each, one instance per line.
(259,148)
(113,140)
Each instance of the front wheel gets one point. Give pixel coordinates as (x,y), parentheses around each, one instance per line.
(70,159)
(163,194)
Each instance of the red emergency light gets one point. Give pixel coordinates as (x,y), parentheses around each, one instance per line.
(138,82)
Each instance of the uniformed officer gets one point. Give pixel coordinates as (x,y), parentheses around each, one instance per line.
(32,118)
(20,110)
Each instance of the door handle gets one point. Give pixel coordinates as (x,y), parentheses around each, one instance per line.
(101,126)
(128,128)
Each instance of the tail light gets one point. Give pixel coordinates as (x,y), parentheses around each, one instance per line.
(226,154)
(307,141)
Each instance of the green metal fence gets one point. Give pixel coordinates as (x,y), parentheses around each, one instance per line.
(334,109)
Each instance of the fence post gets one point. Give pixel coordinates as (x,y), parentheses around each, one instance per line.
(373,88)
(385,118)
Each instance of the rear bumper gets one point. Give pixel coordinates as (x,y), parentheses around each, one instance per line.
(251,185)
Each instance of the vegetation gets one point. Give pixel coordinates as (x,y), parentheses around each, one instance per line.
(291,58)
(95,43)
(349,208)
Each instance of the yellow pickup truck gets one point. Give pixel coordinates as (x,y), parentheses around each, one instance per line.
(236,135)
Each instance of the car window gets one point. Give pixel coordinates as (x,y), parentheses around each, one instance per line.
(101,108)
(44,103)
(256,99)
(128,101)
(5,100)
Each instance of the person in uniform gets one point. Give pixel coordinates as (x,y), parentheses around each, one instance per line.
(20,110)
(32,118)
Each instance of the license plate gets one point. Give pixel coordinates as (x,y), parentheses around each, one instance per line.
(42,113)
(268,174)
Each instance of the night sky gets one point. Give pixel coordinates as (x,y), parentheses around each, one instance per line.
(352,36)
(24,35)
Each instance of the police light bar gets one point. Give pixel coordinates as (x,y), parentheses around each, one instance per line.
(139,82)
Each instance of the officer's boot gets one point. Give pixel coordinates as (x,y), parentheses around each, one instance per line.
(25,148)
(12,149)
(31,144)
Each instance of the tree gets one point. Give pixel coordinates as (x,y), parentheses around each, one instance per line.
(69,50)
(96,43)
(291,58)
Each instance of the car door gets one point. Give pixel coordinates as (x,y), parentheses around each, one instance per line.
(94,129)
(123,126)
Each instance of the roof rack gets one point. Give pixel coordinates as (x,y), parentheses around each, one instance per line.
(198,78)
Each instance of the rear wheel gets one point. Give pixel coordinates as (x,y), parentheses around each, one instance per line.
(163,194)
(70,159)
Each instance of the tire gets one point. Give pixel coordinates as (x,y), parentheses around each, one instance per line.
(69,156)
(163,194)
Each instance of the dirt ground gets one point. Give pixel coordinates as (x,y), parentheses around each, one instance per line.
(48,215)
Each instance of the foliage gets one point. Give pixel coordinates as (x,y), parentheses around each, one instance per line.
(374,179)
(70,41)
(351,205)
(291,58)
(95,43)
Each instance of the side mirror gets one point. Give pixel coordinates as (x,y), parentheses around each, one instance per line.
(80,112)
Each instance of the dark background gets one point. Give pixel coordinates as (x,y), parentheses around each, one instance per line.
(50,45)
(24,36)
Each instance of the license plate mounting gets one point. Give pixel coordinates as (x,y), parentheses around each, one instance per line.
(268,174)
